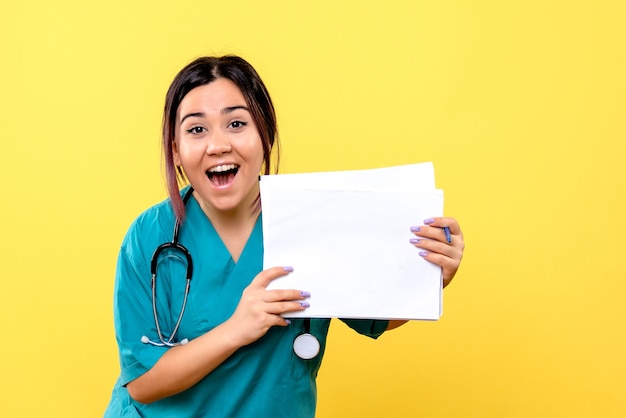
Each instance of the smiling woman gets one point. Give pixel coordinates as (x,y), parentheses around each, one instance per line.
(229,353)
(243,91)
(219,148)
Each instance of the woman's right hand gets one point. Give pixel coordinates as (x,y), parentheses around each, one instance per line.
(259,308)
(185,365)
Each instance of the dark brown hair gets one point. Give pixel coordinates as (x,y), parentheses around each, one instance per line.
(203,71)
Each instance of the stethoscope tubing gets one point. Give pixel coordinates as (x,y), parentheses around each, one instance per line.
(306,345)
(175,245)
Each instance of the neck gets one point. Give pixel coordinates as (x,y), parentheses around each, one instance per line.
(248,210)
(234,226)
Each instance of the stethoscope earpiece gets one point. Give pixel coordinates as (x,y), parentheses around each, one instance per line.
(147,340)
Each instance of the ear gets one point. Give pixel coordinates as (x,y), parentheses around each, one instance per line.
(176,155)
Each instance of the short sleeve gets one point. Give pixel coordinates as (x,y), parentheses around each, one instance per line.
(133,314)
(373,328)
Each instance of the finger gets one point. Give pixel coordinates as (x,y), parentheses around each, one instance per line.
(435,228)
(442,221)
(280,321)
(265,277)
(431,232)
(285,295)
(449,264)
(278,308)
(435,246)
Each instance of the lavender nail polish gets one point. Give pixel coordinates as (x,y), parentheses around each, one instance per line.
(423,253)
(288,268)
(305,294)
(414,240)
(415,229)
(429,221)
(305,304)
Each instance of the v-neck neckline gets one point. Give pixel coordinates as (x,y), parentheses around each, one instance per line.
(245,250)
(222,245)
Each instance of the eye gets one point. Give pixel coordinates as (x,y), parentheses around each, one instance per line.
(238,124)
(195,130)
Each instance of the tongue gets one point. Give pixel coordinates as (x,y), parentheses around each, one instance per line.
(222,179)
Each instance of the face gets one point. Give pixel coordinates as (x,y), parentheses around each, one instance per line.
(219,147)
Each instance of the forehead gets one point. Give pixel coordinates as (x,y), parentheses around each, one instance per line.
(212,97)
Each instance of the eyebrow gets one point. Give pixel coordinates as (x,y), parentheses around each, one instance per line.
(224,111)
(233,108)
(192,115)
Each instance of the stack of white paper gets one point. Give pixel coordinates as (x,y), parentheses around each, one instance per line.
(347,233)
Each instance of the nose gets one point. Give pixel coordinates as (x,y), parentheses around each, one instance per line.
(218,144)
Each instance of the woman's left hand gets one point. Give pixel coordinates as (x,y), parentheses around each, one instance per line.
(431,239)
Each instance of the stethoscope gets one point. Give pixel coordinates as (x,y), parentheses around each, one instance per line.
(306,345)
(176,246)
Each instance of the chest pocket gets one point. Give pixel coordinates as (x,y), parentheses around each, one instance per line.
(215,293)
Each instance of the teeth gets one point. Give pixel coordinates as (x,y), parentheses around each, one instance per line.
(222,168)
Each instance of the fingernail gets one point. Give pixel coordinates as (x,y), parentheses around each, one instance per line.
(423,253)
(414,240)
(429,221)
(305,294)
(415,229)
(288,268)
(288,321)
(304,304)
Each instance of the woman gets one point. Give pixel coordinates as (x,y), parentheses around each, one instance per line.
(236,358)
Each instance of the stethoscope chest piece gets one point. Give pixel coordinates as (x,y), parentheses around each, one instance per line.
(306,346)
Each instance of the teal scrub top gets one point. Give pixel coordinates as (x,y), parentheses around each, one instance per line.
(262,379)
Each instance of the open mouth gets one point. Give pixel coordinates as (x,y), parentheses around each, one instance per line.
(222,174)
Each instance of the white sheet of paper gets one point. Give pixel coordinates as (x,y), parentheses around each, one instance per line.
(399,178)
(347,236)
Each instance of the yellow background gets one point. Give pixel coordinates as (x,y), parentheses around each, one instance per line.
(519,104)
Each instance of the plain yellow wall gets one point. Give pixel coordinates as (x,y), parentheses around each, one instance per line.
(521,105)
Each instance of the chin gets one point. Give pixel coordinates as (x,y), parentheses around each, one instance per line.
(228,204)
